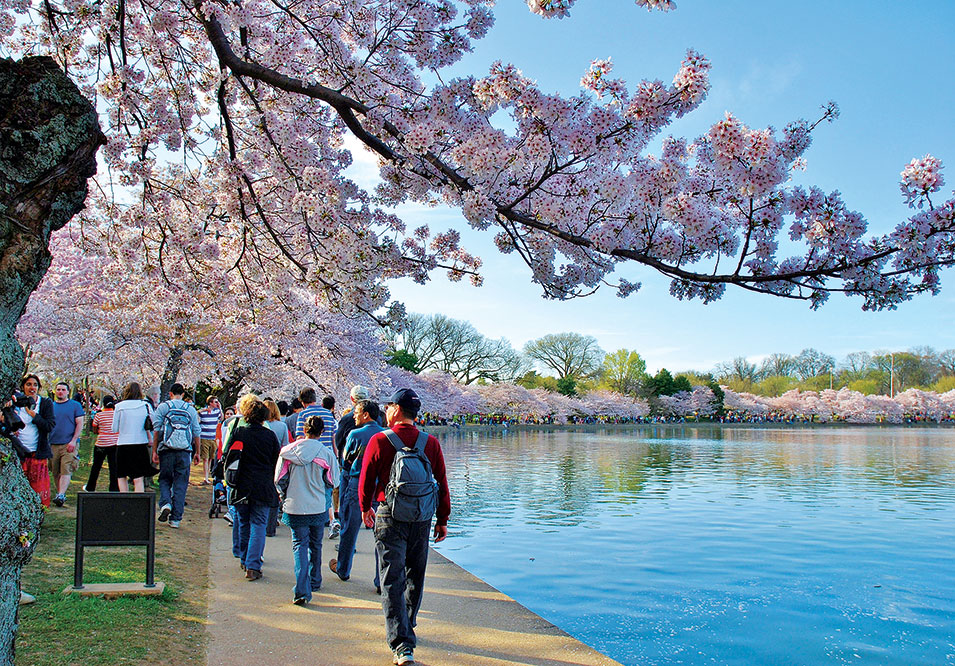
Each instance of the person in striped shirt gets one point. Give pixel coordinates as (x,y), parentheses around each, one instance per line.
(208,420)
(105,448)
(309,399)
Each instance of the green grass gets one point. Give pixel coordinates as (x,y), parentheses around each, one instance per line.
(69,629)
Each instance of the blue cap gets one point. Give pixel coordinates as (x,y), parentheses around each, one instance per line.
(406,399)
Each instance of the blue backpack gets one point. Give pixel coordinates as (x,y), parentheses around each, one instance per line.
(412,492)
(177,427)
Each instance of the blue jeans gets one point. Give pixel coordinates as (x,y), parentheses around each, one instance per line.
(403,551)
(307,533)
(252,521)
(173,480)
(351,524)
(236,548)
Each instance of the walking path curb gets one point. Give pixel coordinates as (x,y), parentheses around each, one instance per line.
(463,620)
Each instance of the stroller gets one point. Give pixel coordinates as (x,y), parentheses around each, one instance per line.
(218,493)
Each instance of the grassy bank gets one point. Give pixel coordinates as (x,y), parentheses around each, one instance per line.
(68,629)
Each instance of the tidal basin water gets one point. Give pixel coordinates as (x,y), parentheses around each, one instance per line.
(702,545)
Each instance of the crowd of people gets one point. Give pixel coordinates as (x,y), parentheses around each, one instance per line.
(291,462)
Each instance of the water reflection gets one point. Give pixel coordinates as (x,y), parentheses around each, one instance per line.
(682,544)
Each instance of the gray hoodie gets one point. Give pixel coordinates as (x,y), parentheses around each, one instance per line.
(306,488)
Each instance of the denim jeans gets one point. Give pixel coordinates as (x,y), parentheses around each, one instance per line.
(173,480)
(273,521)
(252,521)
(403,552)
(236,537)
(307,533)
(351,524)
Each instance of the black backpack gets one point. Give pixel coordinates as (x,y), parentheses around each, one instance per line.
(412,492)
(230,472)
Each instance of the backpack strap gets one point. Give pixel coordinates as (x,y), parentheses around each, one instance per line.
(396,442)
(422,440)
(394,439)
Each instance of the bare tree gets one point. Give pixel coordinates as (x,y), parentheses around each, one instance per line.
(567,354)
(812,363)
(778,365)
(457,348)
(946,362)
(739,369)
(857,364)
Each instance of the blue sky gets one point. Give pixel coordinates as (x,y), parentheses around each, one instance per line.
(892,73)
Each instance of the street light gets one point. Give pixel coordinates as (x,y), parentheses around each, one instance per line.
(891,374)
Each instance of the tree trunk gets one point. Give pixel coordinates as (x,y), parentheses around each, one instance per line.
(230,385)
(49,135)
(170,374)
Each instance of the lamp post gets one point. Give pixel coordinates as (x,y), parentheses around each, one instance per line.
(892,374)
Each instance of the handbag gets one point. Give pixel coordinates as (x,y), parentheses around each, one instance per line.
(148,423)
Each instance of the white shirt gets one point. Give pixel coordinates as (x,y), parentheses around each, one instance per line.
(129,419)
(28,435)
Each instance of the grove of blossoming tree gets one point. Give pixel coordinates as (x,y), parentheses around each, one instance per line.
(237,112)
(91,318)
(225,124)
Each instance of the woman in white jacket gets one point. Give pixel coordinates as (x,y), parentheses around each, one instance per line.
(307,463)
(132,443)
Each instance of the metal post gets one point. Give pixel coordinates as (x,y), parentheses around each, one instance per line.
(892,375)
(151,546)
(78,556)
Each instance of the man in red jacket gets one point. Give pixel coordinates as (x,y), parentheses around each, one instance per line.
(402,546)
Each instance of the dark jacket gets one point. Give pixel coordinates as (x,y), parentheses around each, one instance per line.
(345,425)
(260,452)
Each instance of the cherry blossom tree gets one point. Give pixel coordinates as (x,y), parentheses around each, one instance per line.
(745,403)
(613,404)
(441,394)
(92,317)
(236,113)
(920,403)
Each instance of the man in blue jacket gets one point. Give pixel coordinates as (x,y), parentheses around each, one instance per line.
(366,426)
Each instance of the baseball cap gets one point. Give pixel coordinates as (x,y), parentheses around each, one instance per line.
(359,392)
(406,398)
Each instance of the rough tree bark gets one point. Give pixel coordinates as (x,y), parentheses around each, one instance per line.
(49,135)
(170,374)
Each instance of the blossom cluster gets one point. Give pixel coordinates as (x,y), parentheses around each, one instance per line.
(845,405)
(226,133)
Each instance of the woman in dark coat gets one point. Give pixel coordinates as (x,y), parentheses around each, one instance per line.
(255,486)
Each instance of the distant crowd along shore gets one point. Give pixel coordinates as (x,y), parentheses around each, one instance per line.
(730,417)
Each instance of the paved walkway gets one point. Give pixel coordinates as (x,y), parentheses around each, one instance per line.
(463,621)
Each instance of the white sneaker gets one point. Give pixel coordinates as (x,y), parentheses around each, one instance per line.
(404,655)
(174,524)
(335,530)
(26,598)
(164,512)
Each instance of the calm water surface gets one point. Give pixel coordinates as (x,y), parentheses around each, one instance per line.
(695,545)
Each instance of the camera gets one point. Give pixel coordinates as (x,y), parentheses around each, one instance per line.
(23,401)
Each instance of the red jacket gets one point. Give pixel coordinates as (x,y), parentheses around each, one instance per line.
(376,469)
